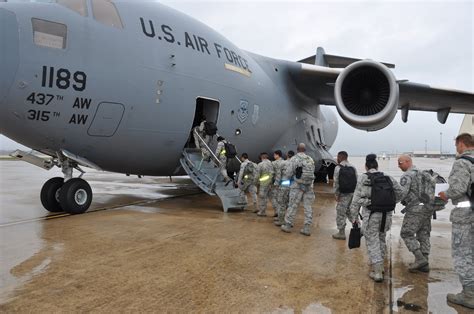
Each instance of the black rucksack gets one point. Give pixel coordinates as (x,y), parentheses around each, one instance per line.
(471,197)
(210,128)
(230,151)
(347,179)
(382,197)
(232,166)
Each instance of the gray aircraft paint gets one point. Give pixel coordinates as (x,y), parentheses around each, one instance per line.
(155,76)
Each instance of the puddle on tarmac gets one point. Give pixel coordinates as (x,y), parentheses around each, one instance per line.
(316,308)
(427,298)
(397,294)
(24,261)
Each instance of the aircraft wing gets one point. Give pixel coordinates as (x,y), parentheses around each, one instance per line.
(367,94)
(426,98)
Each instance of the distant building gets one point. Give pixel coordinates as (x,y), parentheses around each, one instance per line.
(431,154)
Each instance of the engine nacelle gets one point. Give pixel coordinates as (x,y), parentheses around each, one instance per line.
(366,94)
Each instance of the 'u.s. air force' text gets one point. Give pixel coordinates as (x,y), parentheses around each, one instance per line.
(194,42)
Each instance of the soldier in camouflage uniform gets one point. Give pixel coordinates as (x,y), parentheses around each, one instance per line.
(462,219)
(265,179)
(200,130)
(246,180)
(277,168)
(375,240)
(343,199)
(221,154)
(301,189)
(416,226)
(284,189)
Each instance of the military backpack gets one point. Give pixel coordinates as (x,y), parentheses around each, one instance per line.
(249,171)
(470,192)
(230,150)
(382,196)
(347,179)
(427,185)
(210,128)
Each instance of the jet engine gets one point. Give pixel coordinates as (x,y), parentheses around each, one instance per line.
(366,94)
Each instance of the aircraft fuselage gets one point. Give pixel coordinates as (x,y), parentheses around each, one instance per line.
(125,98)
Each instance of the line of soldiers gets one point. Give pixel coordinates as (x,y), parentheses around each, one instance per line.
(370,201)
(285,182)
(372,196)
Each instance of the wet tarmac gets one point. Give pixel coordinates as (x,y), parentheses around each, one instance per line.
(154,245)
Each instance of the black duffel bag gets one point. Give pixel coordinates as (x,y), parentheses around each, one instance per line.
(354,237)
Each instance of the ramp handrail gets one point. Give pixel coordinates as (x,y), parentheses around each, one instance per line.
(209,150)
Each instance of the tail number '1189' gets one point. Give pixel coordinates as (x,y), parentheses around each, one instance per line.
(63,79)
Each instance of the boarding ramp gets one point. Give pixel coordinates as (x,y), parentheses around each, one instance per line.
(203,167)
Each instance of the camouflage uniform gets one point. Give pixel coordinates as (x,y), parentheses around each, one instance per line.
(462,219)
(200,131)
(343,205)
(264,177)
(246,183)
(416,226)
(375,240)
(275,190)
(284,189)
(220,153)
(301,191)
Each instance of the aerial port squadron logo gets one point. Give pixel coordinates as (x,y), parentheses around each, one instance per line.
(243,112)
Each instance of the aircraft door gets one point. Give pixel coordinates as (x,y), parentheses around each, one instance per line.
(205,107)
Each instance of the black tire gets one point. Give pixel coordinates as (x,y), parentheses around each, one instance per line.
(75,196)
(50,194)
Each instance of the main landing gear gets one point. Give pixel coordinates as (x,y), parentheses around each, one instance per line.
(71,195)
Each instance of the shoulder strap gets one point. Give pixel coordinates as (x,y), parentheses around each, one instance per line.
(467,158)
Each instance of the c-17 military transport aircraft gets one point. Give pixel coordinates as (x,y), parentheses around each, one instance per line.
(119,86)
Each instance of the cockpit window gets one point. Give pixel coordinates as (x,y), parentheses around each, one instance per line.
(105,12)
(78,6)
(49,34)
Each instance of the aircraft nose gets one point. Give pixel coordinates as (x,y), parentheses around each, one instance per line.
(9,54)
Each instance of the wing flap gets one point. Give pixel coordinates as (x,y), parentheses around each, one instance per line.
(333,61)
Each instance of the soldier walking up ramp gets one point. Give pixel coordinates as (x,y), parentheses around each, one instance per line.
(205,173)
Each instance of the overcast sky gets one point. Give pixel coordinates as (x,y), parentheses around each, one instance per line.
(430,42)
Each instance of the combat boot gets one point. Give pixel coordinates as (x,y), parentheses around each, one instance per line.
(420,261)
(306,230)
(425,269)
(378,272)
(286,228)
(341,235)
(261,214)
(372,272)
(464,298)
(279,222)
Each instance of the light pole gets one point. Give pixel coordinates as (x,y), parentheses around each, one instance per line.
(440,144)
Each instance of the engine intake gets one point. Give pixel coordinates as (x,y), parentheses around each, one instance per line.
(366,94)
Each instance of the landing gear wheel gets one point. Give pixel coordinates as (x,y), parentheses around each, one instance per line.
(75,196)
(50,194)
